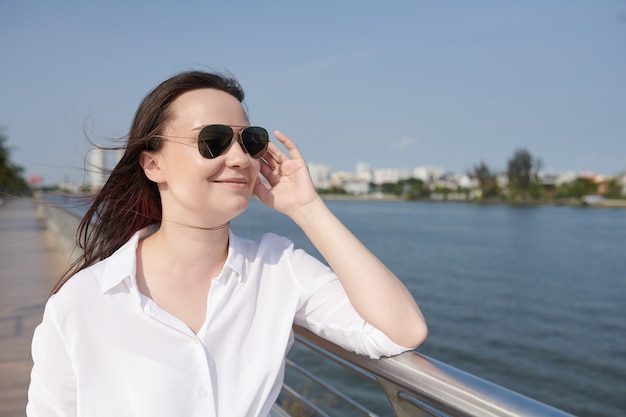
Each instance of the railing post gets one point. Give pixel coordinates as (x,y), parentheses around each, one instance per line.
(400,407)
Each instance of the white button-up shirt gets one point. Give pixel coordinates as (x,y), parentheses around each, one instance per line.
(104,349)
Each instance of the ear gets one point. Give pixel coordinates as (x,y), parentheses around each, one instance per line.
(149,161)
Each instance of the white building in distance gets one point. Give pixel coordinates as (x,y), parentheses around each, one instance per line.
(391,175)
(320,174)
(364,172)
(97,169)
(427,174)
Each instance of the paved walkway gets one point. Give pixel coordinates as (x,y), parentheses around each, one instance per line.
(31,261)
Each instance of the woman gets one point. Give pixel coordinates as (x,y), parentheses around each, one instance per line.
(167,312)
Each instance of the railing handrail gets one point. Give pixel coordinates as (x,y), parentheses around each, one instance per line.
(432,386)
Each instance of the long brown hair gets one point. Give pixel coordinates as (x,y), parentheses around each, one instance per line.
(129,201)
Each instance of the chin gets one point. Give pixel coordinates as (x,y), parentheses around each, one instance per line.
(238,207)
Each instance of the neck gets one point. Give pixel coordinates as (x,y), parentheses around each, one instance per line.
(196,251)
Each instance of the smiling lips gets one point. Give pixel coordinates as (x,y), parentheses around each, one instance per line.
(238,181)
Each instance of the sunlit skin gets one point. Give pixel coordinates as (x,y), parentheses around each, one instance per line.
(200,196)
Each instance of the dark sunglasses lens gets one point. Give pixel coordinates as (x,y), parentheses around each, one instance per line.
(214,140)
(255,139)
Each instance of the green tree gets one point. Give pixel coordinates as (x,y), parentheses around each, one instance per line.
(414,189)
(486,179)
(613,189)
(522,171)
(393,188)
(11,180)
(332,191)
(578,188)
(410,188)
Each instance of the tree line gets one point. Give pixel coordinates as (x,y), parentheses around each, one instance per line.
(12,181)
(525,184)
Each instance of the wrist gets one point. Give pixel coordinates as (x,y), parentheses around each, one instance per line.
(309,212)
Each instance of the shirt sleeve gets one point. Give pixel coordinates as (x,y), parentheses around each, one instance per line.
(326,310)
(52,390)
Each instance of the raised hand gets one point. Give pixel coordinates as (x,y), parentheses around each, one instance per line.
(374,291)
(291,188)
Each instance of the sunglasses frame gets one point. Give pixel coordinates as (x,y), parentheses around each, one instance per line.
(205,150)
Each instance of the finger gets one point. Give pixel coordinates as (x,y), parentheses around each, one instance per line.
(262,192)
(274,156)
(288,144)
(274,152)
(267,170)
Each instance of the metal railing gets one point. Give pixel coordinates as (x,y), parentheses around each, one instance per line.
(406,385)
(414,385)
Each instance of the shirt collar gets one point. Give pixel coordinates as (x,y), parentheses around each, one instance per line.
(122,264)
(236,259)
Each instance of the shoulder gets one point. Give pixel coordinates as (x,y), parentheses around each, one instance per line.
(266,240)
(272,248)
(268,245)
(80,288)
(105,274)
(272,251)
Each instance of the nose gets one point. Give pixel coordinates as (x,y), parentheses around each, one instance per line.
(236,155)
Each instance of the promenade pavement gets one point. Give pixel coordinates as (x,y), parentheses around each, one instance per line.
(31,261)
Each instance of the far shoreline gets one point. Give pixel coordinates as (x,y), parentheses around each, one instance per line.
(607,203)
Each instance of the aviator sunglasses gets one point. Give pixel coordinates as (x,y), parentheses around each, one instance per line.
(214,140)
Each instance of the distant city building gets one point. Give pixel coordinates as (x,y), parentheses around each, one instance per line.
(391,175)
(597,178)
(443,185)
(502,180)
(117,156)
(97,169)
(464,181)
(548,178)
(364,172)
(338,178)
(565,177)
(357,187)
(320,174)
(427,174)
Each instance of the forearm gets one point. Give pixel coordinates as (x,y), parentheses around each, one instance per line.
(374,291)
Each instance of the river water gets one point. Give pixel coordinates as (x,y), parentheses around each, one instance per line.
(530,298)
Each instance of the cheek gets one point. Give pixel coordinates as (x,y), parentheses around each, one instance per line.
(187,162)
(255,166)
(255,171)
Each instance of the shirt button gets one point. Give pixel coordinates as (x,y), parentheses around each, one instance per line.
(195,342)
(203,393)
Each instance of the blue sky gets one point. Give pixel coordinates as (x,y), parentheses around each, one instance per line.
(396,84)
